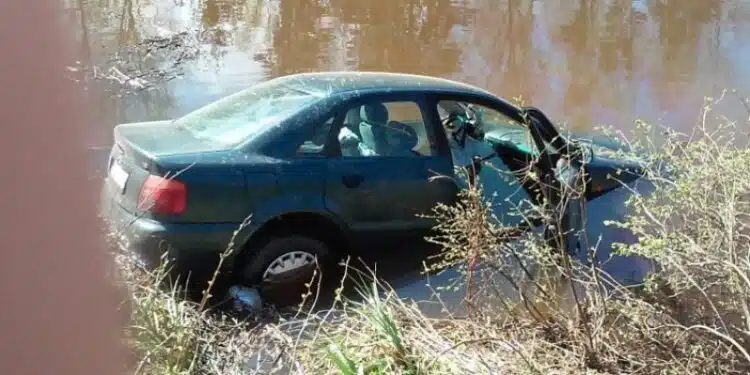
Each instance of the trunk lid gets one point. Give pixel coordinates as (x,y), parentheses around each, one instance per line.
(137,148)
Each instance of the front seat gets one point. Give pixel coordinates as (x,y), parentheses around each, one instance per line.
(401,139)
(349,136)
(372,129)
(352,120)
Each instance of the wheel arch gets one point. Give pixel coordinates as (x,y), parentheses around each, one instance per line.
(315,224)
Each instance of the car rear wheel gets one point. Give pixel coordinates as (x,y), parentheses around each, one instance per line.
(283,266)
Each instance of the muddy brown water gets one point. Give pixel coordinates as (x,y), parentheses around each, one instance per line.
(584,62)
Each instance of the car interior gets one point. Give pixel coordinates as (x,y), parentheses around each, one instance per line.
(368,131)
(506,144)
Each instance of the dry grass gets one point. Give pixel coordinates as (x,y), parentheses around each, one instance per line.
(564,317)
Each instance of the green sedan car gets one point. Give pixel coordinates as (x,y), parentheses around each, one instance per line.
(309,167)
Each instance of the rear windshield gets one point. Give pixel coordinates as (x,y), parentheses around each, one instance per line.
(231,120)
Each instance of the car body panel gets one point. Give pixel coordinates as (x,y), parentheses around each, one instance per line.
(300,189)
(346,81)
(387,204)
(214,193)
(192,246)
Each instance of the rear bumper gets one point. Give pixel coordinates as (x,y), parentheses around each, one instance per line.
(192,249)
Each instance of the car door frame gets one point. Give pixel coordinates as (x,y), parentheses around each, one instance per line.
(497,104)
(418,227)
(507,109)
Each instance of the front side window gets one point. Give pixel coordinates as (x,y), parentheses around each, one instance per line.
(233,119)
(495,128)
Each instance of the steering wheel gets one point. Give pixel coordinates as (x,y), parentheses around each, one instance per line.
(462,125)
(448,122)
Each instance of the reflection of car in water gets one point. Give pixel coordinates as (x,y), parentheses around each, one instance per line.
(323,164)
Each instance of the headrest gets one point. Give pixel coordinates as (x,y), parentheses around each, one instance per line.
(374,113)
(353,117)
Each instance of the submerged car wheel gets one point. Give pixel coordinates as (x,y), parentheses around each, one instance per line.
(282,267)
(288,262)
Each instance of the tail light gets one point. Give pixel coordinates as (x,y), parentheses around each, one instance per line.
(162,196)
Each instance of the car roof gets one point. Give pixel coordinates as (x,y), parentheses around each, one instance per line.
(332,83)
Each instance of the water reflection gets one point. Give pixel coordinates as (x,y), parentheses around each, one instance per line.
(585,62)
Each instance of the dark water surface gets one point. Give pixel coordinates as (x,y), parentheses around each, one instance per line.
(584,62)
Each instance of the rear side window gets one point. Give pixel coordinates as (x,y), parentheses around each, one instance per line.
(315,144)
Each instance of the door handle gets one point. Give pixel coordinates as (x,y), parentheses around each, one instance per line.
(353,180)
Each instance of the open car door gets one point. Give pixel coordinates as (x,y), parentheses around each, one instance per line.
(517,165)
(499,153)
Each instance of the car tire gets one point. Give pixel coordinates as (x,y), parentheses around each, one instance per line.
(267,256)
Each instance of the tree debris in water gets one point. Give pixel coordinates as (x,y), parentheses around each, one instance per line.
(143,66)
